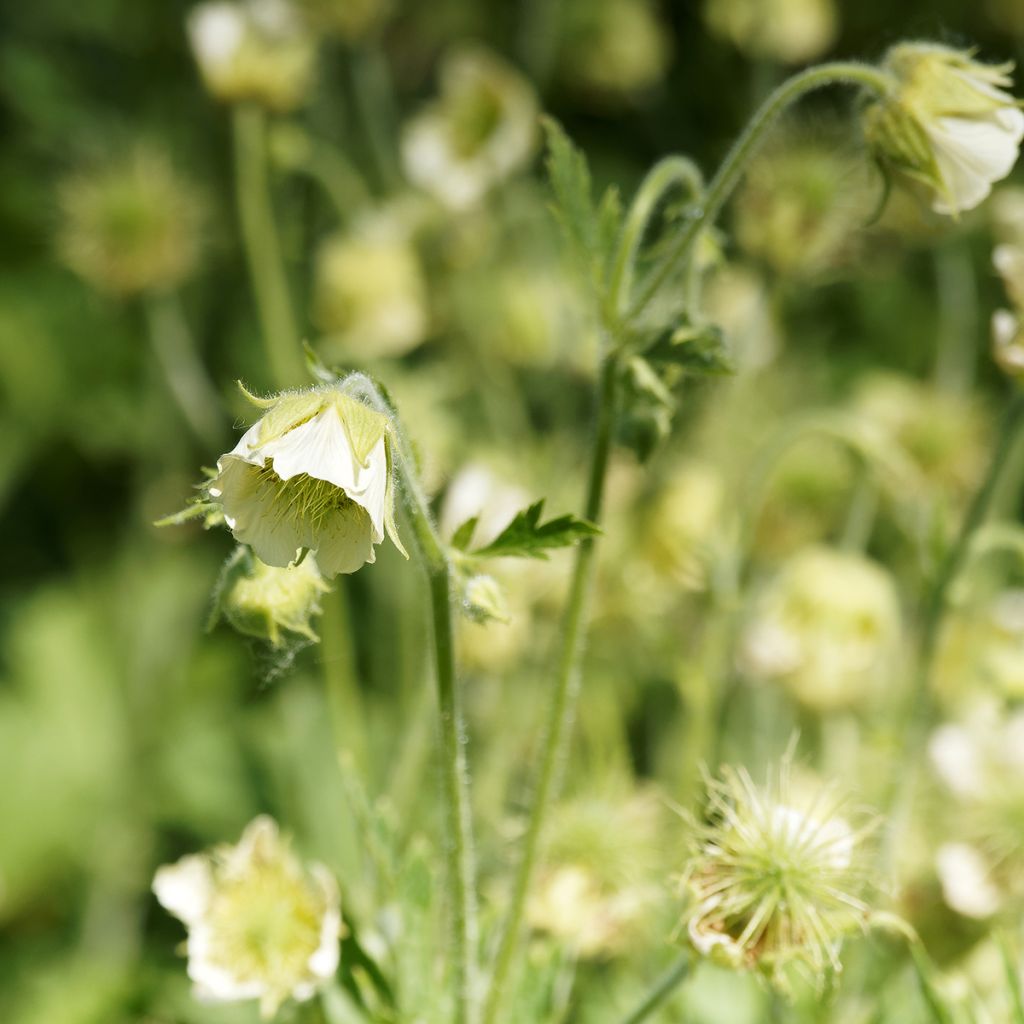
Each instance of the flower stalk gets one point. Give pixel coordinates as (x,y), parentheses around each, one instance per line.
(733,166)
(263,247)
(660,991)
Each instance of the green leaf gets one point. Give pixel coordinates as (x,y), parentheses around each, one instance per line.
(592,229)
(463,536)
(698,349)
(527,537)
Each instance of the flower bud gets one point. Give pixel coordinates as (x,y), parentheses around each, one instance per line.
(481,130)
(483,599)
(825,628)
(1008,343)
(315,474)
(789,31)
(252,50)
(261,925)
(949,125)
(132,226)
(370,294)
(268,602)
(773,880)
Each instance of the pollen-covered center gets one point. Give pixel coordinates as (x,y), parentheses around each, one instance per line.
(301,497)
(265,924)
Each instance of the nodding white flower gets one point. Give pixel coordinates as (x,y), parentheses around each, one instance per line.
(773,880)
(260,924)
(948,124)
(314,473)
(483,127)
(253,50)
(825,628)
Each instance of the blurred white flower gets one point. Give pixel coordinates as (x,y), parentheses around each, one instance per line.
(254,50)
(481,129)
(825,627)
(949,124)
(313,473)
(964,877)
(260,924)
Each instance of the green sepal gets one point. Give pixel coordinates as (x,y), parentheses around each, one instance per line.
(527,537)
(463,536)
(318,370)
(697,349)
(260,403)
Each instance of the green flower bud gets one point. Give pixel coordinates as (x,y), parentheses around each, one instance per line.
(132,226)
(268,602)
(790,31)
(948,125)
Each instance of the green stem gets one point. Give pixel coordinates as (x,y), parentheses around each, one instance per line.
(263,248)
(187,379)
(563,698)
(663,176)
(735,162)
(345,704)
(459,847)
(662,989)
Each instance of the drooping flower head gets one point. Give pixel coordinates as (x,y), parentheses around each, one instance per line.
(313,474)
(949,125)
(260,924)
(131,226)
(481,129)
(774,878)
(252,50)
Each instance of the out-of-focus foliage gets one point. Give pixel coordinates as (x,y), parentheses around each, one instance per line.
(761,573)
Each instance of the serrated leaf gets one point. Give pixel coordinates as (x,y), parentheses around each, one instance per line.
(592,229)
(527,537)
(463,536)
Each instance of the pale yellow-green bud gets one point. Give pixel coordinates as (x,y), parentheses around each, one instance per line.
(948,125)
(789,31)
(261,925)
(268,602)
(131,226)
(370,294)
(774,878)
(826,627)
(481,129)
(314,473)
(1008,343)
(614,50)
(252,50)
(483,599)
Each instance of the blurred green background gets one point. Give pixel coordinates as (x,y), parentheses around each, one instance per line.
(128,735)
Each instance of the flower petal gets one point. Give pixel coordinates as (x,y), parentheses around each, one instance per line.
(971,154)
(250,512)
(185,888)
(319,448)
(345,542)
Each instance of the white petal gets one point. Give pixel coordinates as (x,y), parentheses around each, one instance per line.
(345,542)
(215,31)
(184,888)
(213,983)
(965,883)
(972,153)
(250,512)
(247,447)
(324,962)
(318,448)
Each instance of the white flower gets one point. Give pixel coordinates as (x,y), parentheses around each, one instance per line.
(255,50)
(260,925)
(949,124)
(481,129)
(966,885)
(313,473)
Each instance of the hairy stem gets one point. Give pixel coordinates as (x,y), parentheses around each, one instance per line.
(731,171)
(563,698)
(455,780)
(263,248)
